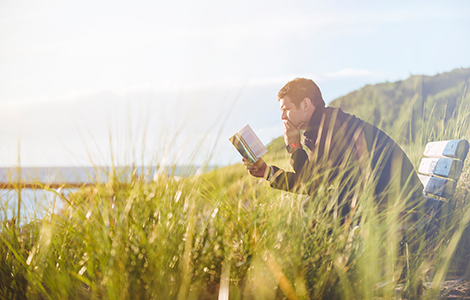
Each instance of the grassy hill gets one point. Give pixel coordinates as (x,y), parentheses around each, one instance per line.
(409,104)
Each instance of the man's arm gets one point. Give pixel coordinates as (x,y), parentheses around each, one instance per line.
(290,181)
(280,179)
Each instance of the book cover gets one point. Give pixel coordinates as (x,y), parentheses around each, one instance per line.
(248,144)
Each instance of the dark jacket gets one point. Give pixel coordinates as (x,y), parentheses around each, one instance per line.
(337,142)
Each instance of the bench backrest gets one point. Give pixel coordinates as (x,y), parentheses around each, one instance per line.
(441,167)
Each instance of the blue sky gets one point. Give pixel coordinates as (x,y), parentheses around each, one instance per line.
(80,80)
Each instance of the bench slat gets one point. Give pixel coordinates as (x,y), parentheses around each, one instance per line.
(444,167)
(433,201)
(437,186)
(457,149)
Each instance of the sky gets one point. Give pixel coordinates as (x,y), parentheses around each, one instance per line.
(145,82)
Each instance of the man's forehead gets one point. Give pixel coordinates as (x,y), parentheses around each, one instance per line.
(284,102)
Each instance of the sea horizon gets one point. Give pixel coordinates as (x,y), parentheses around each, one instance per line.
(36,202)
(92,174)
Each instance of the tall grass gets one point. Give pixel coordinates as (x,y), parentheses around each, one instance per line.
(226,235)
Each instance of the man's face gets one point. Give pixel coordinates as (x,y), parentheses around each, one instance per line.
(289,112)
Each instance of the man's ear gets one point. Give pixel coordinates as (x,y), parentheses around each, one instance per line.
(306,103)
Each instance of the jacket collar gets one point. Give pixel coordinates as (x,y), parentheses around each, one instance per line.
(314,122)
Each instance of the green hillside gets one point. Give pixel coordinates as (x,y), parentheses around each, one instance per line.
(420,100)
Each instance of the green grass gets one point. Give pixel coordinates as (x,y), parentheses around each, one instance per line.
(179,238)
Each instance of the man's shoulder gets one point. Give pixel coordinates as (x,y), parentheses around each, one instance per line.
(342,116)
(352,121)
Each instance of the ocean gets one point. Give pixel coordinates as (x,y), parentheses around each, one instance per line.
(35,203)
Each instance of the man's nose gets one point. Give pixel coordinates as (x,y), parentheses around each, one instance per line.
(283,116)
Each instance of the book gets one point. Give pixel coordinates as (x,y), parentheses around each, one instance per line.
(248,144)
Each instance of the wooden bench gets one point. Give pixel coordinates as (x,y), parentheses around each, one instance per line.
(440,170)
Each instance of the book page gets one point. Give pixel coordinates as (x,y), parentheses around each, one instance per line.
(241,147)
(253,141)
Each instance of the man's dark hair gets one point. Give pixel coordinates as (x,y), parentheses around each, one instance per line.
(298,89)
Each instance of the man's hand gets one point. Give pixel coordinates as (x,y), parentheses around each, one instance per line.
(258,169)
(291,133)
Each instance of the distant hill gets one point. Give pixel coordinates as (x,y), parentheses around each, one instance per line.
(418,100)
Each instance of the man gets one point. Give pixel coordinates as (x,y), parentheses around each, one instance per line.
(344,150)
(347,160)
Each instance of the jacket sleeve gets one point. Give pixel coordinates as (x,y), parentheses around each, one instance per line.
(291,181)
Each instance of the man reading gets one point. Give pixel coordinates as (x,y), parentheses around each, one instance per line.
(340,148)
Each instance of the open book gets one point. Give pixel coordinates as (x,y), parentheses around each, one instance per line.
(248,144)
